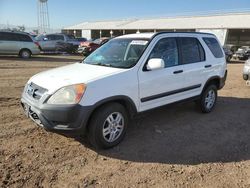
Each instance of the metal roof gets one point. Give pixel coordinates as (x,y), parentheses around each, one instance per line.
(229,21)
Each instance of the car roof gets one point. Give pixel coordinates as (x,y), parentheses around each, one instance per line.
(152,35)
(15,32)
(140,35)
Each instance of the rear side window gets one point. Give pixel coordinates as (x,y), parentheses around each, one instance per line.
(167,50)
(191,50)
(7,36)
(23,38)
(58,37)
(214,47)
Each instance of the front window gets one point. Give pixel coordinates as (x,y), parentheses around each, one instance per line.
(118,53)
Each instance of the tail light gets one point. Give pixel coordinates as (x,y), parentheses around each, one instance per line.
(37,44)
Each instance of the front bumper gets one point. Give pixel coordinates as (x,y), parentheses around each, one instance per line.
(65,119)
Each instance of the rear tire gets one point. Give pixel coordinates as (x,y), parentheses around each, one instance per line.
(26,54)
(108,126)
(208,99)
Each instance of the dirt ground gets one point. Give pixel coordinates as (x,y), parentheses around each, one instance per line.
(174,146)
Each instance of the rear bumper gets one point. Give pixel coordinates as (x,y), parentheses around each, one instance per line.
(65,119)
(223,80)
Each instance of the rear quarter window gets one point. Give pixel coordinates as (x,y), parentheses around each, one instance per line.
(214,47)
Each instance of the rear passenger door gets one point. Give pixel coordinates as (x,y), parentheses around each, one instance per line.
(54,40)
(44,42)
(193,65)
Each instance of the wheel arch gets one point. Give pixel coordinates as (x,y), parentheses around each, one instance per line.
(125,101)
(22,49)
(216,80)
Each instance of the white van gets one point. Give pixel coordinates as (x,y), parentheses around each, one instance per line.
(128,75)
(18,43)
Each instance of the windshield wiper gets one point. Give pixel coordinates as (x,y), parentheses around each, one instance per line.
(102,64)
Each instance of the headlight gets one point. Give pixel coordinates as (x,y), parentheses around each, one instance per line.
(68,95)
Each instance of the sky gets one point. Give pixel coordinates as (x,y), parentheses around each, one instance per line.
(64,13)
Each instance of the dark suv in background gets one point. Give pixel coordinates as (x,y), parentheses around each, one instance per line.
(18,43)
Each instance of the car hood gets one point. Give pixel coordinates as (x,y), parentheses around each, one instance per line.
(57,78)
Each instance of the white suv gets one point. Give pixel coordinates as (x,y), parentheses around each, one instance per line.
(127,75)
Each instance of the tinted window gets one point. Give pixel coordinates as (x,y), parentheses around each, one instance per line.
(214,46)
(167,50)
(191,50)
(70,37)
(58,37)
(49,37)
(23,38)
(54,37)
(81,39)
(7,36)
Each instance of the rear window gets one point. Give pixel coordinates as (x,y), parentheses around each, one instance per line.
(214,47)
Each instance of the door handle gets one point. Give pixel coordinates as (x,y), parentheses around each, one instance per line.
(178,72)
(208,66)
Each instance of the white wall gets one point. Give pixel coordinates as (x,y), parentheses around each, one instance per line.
(221,34)
(86,34)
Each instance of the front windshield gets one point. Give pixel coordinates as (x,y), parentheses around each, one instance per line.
(118,53)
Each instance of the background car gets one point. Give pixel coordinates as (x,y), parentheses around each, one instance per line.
(18,43)
(70,46)
(228,53)
(49,42)
(88,47)
(242,53)
(65,47)
(246,70)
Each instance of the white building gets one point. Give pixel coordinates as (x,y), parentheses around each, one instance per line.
(231,28)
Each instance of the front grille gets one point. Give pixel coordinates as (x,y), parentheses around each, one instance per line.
(35,91)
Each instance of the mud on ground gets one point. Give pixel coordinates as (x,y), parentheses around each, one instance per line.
(174,146)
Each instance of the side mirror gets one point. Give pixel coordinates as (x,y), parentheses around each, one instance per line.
(155,64)
(45,39)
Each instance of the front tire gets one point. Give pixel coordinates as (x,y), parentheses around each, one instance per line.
(208,99)
(108,126)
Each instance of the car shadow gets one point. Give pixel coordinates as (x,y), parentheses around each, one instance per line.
(179,134)
(47,58)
